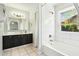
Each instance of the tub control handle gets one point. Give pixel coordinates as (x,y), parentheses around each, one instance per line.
(50,36)
(51,40)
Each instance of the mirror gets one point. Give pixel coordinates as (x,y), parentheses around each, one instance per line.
(13,25)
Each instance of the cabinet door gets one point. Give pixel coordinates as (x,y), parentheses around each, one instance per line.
(25,39)
(30,38)
(10,41)
(6,42)
(14,40)
(17,40)
(20,40)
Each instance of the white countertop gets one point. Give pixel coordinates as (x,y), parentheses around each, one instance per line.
(16,34)
(64,49)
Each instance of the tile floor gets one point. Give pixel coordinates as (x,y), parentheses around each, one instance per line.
(24,50)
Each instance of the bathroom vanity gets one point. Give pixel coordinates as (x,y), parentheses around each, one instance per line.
(10,41)
(16,28)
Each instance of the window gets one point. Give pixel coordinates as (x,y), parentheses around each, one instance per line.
(70,21)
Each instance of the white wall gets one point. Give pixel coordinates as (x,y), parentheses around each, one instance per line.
(71,38)
(1,33)
(1,26)
(36,29)
(33,26)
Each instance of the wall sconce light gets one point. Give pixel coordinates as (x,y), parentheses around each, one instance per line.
(19,15)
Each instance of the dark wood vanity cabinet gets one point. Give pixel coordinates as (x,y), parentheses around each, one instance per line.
(16,40)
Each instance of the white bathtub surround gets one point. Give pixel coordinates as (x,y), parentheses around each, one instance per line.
(48,26)
(62,48)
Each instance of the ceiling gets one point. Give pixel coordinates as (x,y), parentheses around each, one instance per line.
(23,6)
